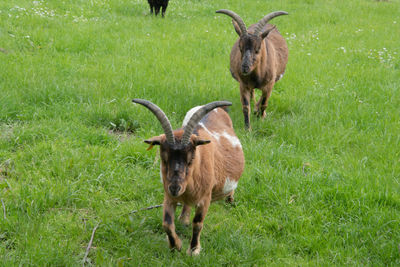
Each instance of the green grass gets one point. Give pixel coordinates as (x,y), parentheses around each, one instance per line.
(322,179)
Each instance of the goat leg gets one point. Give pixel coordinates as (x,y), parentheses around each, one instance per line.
(253,97)
(157,9)
(263,102)
(245,99)
(198,220)
(169,225)
(164,8)
(229,199)
(184,218)
(151,4)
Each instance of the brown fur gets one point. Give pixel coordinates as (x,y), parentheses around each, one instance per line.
(202,180)
(268,66)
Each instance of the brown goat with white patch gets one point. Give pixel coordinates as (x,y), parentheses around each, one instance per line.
(200,163)
(258,60)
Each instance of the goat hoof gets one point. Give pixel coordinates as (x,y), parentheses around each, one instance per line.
(262,114)
(184,220)
(194,251)
(177,246)
(229,199)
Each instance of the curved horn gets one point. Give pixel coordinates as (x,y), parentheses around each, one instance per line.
(197,116)
(260,25)
(166,125)
(236,17)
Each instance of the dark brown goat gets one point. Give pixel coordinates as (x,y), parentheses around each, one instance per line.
(156,5)
(200,163)
(258,60)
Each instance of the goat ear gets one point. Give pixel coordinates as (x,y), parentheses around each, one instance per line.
(153,141)
(199,142)
(265,34)
(236,26)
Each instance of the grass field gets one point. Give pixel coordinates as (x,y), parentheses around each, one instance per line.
(322,179)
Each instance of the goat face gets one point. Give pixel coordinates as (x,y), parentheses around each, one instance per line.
(250,46)
(178,148)
(176,162)
(251,42)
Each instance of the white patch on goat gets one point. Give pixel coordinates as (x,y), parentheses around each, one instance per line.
(232,139)
(229,185)
(189,114)
(213,134)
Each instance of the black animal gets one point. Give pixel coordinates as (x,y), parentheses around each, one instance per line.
(155,6)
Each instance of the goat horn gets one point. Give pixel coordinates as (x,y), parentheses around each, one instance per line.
(197,116)
(260,25)
(237,18)
(166,125)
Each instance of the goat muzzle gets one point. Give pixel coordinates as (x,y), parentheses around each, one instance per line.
(174,189)
(246,63)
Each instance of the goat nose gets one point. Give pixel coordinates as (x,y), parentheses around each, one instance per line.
(245,69)
(174,189)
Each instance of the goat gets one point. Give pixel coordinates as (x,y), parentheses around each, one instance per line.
(200,163)
(258,60)
(156,5)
